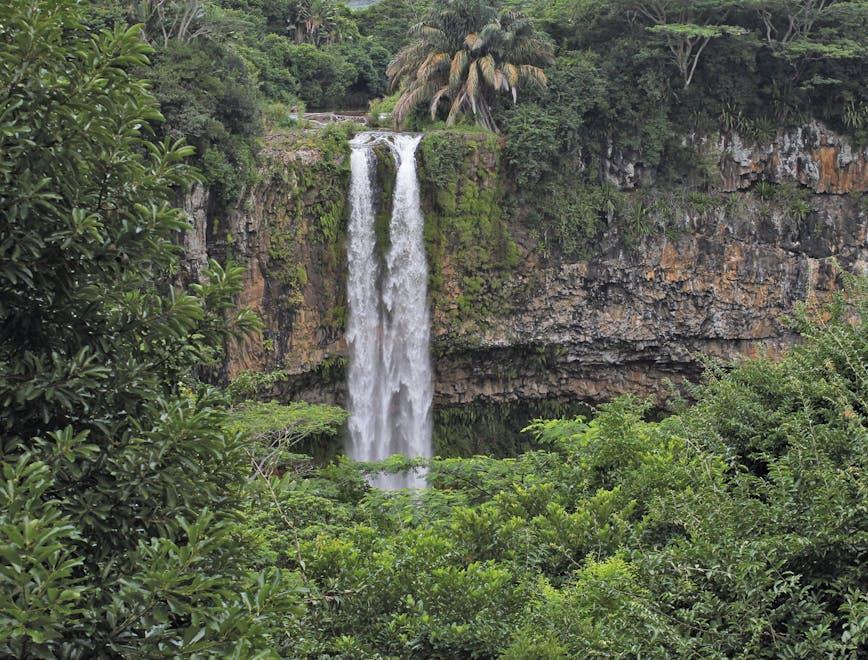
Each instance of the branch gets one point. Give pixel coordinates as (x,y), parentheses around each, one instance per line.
(695,62)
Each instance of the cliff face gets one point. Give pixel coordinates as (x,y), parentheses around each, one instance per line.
(288,230)
(627,320)
(810,155)
(693,273)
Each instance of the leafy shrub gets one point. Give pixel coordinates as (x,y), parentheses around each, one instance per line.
(442,158)
(532,149)
(250,385)
(279,432)
(208,97)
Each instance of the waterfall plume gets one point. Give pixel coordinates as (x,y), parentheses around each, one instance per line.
(388,329)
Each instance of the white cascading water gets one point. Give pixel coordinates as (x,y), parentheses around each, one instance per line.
(390,389)
(365,319)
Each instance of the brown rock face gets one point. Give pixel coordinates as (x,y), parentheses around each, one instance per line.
(295,277)
(633,316)
(195,205)
(810,155)
(629,320)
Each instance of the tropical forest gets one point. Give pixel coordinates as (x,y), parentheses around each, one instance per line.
(436,329)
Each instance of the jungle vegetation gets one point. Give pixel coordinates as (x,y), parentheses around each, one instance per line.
(144,513)
(591,75)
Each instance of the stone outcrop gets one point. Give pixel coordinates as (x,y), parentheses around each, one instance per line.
(717,278)
(809,155)
(295,277)
(195,205)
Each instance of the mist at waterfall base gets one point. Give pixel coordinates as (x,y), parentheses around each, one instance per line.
(388,327)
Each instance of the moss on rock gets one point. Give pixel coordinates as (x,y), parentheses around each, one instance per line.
(466,230)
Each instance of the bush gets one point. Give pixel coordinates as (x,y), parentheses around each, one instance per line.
(533,147)
(209,98)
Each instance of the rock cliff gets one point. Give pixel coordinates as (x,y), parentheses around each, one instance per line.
(697,272)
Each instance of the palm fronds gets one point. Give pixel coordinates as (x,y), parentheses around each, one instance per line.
(534,75)
(435,102)
(466,53)
(432,65)
(487,69)
(458,69)
(413,96)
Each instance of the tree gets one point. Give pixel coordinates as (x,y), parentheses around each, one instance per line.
(465,54)
(182,20)
(789,20)
(790,27)
(688,27)
(389,22)
(277,432)
(315,22)
(119,485)
(208,96)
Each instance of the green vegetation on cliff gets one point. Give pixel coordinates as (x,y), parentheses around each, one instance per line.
(311,216)
(466,232)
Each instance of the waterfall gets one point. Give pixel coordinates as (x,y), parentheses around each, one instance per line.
(365,318)
(389,378)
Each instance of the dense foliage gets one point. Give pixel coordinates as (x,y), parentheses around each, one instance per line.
(120,487)
(144,514)
(751,66)
(224,71)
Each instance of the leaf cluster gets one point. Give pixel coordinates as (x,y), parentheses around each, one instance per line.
(120,485)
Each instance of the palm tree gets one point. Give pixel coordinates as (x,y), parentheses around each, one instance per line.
(315,21)
(464,54)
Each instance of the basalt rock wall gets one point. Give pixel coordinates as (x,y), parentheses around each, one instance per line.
(699,272)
